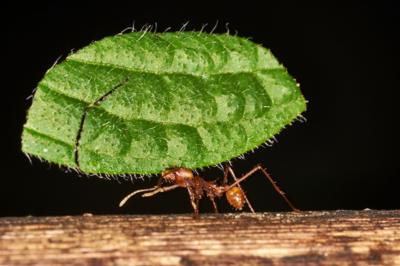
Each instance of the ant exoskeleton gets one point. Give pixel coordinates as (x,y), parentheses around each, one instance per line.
(197,187)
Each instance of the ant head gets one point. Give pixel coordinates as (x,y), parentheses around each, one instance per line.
(177,175)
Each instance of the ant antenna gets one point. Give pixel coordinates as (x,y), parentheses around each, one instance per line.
(124,200)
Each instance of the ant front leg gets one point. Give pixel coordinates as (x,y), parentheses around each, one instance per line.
(194,201)
(229,169)
(271,180)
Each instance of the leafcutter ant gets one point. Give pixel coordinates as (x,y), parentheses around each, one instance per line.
(197,187)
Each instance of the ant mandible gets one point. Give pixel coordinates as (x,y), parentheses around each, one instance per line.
(197,187)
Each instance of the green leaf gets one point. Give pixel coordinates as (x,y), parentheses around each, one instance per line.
(142,102)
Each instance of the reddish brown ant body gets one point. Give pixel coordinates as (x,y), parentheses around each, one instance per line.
(197,187)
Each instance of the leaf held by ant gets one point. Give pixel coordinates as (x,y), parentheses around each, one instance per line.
(139,103)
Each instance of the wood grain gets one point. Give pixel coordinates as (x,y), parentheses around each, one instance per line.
(308,238)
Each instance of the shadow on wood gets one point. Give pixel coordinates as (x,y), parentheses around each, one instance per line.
(312,238)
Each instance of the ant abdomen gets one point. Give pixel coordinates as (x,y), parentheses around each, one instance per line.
(235,197)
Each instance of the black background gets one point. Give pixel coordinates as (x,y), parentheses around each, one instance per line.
(346,58)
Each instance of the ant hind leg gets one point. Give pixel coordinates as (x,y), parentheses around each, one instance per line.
(230,170)
(270,179)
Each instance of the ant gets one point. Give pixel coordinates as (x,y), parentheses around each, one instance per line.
(197,187)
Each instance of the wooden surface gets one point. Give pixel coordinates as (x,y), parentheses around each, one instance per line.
(309,238)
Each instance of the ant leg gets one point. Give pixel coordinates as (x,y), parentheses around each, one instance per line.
(214,204)
(226,172)
(269,177)
(244,194)
(159,190)
(193,201)
(197,203)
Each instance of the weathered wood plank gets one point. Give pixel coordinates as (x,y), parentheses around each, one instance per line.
(311,238)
